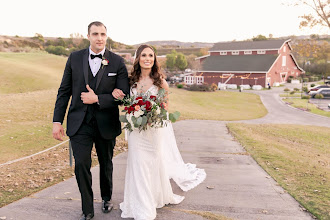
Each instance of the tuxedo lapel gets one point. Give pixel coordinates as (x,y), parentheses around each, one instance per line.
(86,65)
(99,74)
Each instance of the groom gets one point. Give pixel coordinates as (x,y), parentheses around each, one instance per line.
(89,78)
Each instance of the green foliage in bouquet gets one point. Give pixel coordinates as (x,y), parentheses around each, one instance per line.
(146,111)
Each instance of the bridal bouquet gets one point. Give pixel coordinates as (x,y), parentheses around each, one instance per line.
(145,111)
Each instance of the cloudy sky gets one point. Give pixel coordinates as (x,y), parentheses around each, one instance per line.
(138,21)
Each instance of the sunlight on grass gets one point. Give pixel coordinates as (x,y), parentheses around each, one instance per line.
(296,156)
(219,105)
(25,72)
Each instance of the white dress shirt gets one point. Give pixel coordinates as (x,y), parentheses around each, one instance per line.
(95,64)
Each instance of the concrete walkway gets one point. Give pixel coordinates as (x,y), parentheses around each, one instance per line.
(281,113)
(235,187)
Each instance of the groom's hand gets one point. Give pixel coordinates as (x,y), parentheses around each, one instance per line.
(58,131)
(89,97)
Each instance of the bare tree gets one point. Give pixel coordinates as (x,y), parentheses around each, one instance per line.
(320,14)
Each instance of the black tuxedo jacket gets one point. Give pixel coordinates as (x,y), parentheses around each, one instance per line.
(74,82)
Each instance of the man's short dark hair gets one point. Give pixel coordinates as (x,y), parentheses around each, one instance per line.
(96,23)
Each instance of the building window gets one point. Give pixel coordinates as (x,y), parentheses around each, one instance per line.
(284,61)
(248,52)
(199,80)
(235,52)
(223,52)
(189,80)
(261,52)
(284,48)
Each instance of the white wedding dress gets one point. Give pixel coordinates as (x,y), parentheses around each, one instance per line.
(153,159)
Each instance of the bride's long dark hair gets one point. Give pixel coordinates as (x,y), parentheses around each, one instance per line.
(156,75)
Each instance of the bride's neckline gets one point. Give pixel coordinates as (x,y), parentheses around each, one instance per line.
(147,89)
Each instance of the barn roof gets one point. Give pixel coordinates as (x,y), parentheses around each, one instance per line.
(246,63)
(248,45)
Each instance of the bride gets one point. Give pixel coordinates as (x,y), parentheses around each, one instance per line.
(153,156)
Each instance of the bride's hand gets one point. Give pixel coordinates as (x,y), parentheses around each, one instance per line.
(118,94)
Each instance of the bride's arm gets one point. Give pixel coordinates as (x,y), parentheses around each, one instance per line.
(166,87)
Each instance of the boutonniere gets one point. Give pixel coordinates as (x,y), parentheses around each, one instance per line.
(104,62)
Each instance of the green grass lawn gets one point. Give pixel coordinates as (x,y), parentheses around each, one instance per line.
(289,95)
(219,105)
(303,104)
(25,72)
(296,156)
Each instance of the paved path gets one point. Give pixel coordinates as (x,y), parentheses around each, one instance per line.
(241,188)
(281,113)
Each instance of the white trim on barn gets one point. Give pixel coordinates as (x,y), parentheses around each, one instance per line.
(190,80)
(198,58)
(294,60)
(243,50)
(273,63)
(261,52)
(231,71)
(283,78)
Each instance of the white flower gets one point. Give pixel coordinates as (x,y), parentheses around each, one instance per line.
(158,110)
(105,62)
(138,113)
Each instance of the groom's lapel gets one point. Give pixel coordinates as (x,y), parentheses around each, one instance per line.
(102,69)
(86,65)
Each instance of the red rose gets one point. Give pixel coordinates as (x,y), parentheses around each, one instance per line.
(141,102)
(139,98)
(152,97)
(148,105)
(163,105)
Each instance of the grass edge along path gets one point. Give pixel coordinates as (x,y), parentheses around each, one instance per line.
(296,156)
(304,105)
(26,177)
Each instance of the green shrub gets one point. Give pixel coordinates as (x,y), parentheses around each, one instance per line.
(296,89)
(289,80)
(286,90)
(305,79)
(312,85)
(179,86)
(319,96)
(305,97)
(203,87)
(305,89)
(292,92)
(57,50)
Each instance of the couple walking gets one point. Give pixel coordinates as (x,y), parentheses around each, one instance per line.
(94,78)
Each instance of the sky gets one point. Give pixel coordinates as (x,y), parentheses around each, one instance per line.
(137,21)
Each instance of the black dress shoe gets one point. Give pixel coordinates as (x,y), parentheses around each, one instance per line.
(106,206)
(87,217)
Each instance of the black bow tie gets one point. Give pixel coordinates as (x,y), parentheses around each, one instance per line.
(98,55)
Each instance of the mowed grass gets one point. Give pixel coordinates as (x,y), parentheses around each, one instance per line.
(303,104)
(296,156)
(219,105)
(26,115)
(25,72)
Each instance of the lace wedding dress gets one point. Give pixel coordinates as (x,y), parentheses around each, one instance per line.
(153,159)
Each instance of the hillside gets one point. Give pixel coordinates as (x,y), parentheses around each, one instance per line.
(26,72)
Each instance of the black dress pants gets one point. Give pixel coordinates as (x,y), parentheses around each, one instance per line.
(82,144)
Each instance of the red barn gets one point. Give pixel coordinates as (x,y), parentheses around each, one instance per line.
(249,62)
